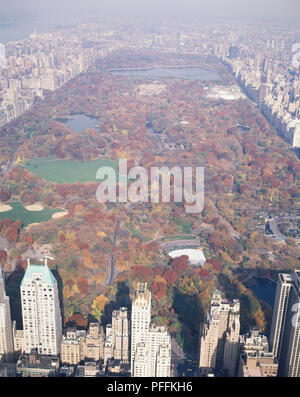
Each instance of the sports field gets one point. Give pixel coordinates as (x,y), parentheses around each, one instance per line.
(69,171)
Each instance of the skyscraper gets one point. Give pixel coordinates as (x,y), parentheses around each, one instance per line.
(6,336)
(140,318)
(285,332)
(284,284)
(150,344)
(40,310)
(219,335)
(120,335)
(289,361)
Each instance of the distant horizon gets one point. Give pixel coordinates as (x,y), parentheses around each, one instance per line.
(16,30)
(65,11)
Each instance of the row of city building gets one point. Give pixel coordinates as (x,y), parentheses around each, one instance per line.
(223,351)
(45,62)
(135,347)
(272,85)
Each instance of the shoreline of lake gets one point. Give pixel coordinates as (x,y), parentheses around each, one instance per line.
(185,72)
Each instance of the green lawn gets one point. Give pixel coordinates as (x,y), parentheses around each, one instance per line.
(68,171)
(28,217)
(137,234)
(183,226)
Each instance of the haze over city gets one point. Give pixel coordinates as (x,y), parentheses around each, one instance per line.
(64,10)
(149,191)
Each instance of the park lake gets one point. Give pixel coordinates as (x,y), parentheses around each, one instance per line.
(80,122)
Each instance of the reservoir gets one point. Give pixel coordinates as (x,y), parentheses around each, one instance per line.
(188,72)
(80,122)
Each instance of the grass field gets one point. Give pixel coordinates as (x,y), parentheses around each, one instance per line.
(28,217)
(68,171)
(183,226)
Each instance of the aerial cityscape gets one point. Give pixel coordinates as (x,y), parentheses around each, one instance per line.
(149,193)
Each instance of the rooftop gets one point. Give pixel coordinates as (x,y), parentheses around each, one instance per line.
(34,361)
(41,272)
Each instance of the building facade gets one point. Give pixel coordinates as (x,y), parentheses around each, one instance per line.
(6,335)
(256,360)
(284,284)
(219,336)
(120,335)
(18,335)
(140,318)
(150,344)
(41,314)
(285,332)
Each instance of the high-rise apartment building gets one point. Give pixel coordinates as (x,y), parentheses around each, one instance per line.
(140,318)
(150,344)
(72,347)
(219,335)
(289,361)
(120,335)
(41,314)
(285,331)
(6,336)
(94,342)
(153,355)
(284,284)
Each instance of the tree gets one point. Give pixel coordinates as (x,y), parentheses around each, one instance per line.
(83,285)
(98,306)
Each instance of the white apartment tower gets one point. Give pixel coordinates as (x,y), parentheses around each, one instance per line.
(120,335)
(140,318)
(6,336)
(153,355)
(219,335)
(150,344)
(41,314)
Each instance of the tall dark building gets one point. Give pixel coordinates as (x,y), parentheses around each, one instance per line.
(285,329)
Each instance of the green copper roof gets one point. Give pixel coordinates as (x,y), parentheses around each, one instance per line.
(44,271)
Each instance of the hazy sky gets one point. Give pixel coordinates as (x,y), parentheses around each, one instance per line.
(288,10)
